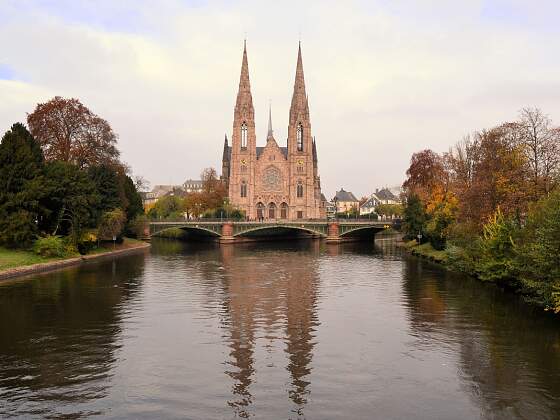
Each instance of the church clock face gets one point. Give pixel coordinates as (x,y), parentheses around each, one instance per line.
(300,162)
(243,161)
(272,179)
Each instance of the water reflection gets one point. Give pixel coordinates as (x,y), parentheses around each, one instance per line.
(506,349)
(59,337)
(266,297)
(279,330)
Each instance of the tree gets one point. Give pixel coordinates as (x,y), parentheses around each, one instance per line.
(541,142)
(21,165)
(111,224)
(167,207)
(134,200)
(106,182)
(426,171)
(414,217)
(68,131)
(70,200)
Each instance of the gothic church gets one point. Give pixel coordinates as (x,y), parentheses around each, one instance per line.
(273,182)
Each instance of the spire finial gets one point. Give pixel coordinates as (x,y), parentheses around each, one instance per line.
(269,119)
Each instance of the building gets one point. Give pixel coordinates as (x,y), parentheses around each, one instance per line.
(273,182)
(369,206)
(157,192)
(151,197)
(191,185)
(345,201)
(385,196)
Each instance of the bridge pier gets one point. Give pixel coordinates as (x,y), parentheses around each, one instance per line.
(227,233)
(333,233)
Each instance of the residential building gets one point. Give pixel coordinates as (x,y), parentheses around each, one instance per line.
(345,201)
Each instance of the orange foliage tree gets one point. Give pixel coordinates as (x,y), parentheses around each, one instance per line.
(68,131)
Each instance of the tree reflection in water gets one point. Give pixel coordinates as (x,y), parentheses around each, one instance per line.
(59,336)
(484,324)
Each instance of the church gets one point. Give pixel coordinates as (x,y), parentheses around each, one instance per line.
(273,182)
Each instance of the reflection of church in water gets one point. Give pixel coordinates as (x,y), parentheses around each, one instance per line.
(273,182)
(271,321)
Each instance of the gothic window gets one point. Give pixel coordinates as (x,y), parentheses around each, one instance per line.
(272,179)
(299,189)
(260,211)
(272,211)
(243,169)
(283,211)
(243,189)
(244,135)
(299,137)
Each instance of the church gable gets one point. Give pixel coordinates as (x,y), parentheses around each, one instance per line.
(271,152)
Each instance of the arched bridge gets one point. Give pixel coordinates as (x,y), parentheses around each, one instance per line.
(232,231)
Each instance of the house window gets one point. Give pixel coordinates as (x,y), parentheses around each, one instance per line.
(300,214)
(243,189)
(299,189)
(299,137)
(244,136)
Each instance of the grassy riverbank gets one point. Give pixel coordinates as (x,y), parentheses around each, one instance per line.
(15,258)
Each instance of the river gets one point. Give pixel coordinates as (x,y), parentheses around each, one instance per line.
(272,331)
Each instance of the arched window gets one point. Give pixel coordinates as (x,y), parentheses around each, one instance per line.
(299,189)
(243,189)
(299,137)
(243,169)
(283,211)
(260,211)
(272,211)
(244,135)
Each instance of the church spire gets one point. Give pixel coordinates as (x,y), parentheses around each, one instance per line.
(244,98)
(299,97)
(269,135)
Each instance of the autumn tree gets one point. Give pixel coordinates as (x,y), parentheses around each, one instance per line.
(542,144)
(425,173)
(68,131)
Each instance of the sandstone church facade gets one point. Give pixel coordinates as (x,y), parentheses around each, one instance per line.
(273,182)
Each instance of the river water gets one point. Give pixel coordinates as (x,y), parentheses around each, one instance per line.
(272,331)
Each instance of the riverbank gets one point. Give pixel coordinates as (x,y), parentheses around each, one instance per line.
(15,263)
(532,292)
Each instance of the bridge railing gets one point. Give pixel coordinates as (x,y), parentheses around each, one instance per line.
(274,221)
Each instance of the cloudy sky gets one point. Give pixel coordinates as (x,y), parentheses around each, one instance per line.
(385,78)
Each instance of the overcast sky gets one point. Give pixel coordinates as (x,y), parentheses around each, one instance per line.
(385,78)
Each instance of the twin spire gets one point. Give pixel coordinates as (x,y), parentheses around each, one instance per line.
(299,108)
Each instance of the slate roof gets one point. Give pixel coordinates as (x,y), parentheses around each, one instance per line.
(386,194)
(260,149)
(344,196)
(370,202)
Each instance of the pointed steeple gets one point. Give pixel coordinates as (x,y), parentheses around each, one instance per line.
(244,98)
(299,98)
(269,135)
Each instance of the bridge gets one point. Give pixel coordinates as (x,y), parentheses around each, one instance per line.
(229,231)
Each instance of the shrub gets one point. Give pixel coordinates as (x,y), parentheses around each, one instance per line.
(111,224)
(138,225)
(52,246)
